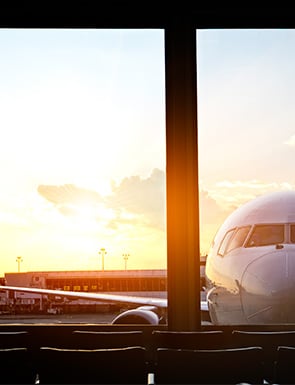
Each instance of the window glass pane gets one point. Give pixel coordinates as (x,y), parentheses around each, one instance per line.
(238,239)
(292,227)
(263,235)
(225,242)
(243,75)
(246,142)
(82,114)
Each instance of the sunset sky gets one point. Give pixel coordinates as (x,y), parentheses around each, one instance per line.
(82,160)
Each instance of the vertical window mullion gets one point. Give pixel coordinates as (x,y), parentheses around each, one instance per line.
(183,261)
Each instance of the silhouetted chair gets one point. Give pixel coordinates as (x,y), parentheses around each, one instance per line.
(268,340)
(214,366)
(84,339)
(17,344)
(284,365)
(16,366)
(98,366)
(213,339)
(14,339)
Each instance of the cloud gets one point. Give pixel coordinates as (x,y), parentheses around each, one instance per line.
(231,194)
(291,141)
(137,204)
(212,214)
(68,198)
(210,210)
(252,184)
(134,201)
(143,198)
(68,193)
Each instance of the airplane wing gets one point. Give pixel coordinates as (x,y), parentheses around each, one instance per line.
(158,302)
(148,301)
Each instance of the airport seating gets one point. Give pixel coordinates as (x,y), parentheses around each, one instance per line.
(17,358)
(85,339)
(16,366)
(213,339)
(13,339)
(97,366)
(213,366)
(284,368)
(268,340)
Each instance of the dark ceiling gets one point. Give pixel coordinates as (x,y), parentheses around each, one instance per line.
(139,14)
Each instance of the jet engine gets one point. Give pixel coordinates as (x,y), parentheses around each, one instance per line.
(141,315)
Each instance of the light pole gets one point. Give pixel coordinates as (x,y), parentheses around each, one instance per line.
(19,259)
(102,252)
(125,257)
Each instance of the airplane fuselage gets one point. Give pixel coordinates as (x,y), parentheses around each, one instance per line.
(250,270)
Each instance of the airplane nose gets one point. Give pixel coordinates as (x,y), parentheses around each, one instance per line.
(267,288)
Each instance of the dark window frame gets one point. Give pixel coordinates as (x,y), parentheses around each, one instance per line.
(180,24)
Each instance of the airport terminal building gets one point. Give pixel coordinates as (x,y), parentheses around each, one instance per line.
(151,282)
(136,281)
(148,282)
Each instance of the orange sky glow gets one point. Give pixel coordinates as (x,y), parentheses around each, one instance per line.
(82,153)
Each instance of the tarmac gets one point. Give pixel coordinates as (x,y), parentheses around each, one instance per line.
(91,318)
(83,318)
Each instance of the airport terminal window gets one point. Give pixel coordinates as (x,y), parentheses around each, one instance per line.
(85,180)
(264,235)
(243,73)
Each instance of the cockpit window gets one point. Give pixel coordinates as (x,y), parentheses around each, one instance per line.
(233,238)
(292,235)
(264,235)
(238,239)
(225,241)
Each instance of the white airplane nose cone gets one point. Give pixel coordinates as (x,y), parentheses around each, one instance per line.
(268,288)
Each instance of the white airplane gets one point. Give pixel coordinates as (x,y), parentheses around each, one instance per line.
(250,270)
